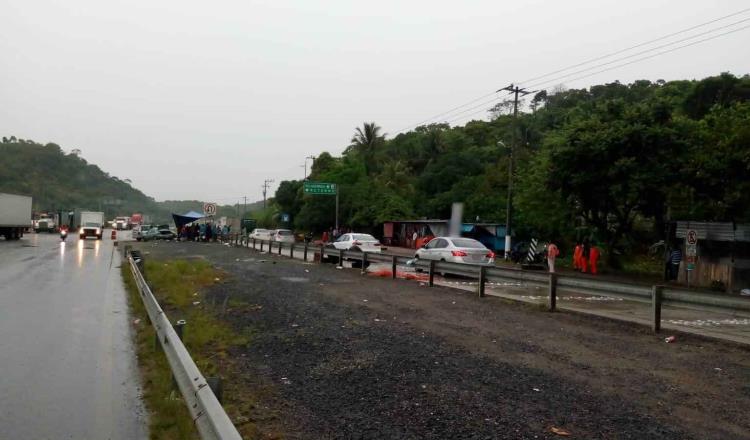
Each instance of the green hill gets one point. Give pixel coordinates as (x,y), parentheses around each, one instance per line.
(64,181)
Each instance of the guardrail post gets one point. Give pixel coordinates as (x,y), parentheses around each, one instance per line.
(432,273)
(364,262)
(341,257)
(482,280)
(322,252)
(394,260)
(261,245)
(552,301)
(179,328)
(280,246)
(304,253)
(291,252)
(656,296)
(253,243)
(217,386)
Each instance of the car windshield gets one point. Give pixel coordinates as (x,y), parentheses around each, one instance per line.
(467,243)
(260,231)
(284,232)
(363,237)
(91,225)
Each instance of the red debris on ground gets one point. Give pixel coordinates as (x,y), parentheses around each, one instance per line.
(385,273)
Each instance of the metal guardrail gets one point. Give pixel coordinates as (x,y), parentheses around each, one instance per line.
(207,413)
(655,295)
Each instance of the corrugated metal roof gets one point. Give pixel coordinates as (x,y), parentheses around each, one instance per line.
(714,231)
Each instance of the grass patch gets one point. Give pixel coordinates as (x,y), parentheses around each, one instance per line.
(177,284)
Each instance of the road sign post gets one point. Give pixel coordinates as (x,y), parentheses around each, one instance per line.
(324,189)
(209,209)
(691,252)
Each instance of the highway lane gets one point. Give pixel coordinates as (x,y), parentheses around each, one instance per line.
(67,362)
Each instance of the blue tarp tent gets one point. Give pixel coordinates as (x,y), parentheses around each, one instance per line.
(188,217)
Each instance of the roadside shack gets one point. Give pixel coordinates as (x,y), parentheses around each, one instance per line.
(715,255)
(401,232)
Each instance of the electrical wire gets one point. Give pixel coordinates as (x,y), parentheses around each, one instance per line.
(646,43)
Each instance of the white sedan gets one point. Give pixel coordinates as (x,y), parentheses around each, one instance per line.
(456,250)
(359,242)
(261,234)
(282,236)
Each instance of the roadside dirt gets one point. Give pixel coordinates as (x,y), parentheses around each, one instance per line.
(335,354)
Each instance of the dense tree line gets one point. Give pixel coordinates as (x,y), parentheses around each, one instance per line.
(614,162)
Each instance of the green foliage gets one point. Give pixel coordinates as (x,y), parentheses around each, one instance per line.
(613,162)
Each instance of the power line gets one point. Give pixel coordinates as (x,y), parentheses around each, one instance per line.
(598,58)
(646,43)
(640,53)
(653,55)
(713,37)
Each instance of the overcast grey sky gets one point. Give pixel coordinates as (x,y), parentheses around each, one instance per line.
(205,100)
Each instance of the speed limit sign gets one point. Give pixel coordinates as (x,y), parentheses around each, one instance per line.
(209,209)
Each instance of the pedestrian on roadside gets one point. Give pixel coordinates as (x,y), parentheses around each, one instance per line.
(414,238)
(585,255)
(675,258)
(324,238)
(577,255)
(202,232)
(593,258)
(552,253)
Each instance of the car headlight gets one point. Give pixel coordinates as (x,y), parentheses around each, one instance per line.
(98,231)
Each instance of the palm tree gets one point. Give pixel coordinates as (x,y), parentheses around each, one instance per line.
(365,142)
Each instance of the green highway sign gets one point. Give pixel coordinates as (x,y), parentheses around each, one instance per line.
(320,188)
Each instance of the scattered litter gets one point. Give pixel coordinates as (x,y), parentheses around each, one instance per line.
(424,387)
(307,270)
(670,339)
(195,303)
(137,321)
(377,320)
(560,431)
(364,300)
(295,325)
(262,261)
(454,303)
(535,389)
(339,267)
(239,420)
(717,369)
(217,279)
(745,292)
(421,284)
(195,294)
(236,259)
(410,262)
(286,381)
(494,341)
(255,307)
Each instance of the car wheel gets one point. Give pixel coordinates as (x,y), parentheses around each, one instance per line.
(443,274)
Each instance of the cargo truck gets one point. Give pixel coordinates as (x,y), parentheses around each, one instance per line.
(15,215)
(92,224)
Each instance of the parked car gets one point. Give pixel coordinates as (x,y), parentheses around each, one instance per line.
(456,250)
(282,236)
(158,234)
(260,234)
(355,241)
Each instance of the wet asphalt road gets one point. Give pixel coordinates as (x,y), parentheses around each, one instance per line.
(68,368)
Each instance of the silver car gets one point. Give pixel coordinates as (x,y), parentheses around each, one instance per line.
(282,236)
(363,242)
(456,250)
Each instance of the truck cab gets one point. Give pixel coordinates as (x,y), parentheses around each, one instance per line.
(90,229)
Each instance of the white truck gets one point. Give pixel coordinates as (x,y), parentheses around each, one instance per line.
(92,224)
(15,215)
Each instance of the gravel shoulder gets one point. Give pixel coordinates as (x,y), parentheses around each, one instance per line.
(335,354)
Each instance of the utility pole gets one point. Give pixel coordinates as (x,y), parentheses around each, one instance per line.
(244,207)
(515,90)
(265,189)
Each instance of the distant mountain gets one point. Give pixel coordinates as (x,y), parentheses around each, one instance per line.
(60,181)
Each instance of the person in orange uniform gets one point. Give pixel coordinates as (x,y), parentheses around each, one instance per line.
(593,258)
(577,256)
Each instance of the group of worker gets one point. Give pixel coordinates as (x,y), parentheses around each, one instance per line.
(585,257)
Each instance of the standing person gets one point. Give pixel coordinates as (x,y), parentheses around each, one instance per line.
(593,258)
(202,232)
(584,261)
(675,258)
(552,253)
(414,238)
(324,238)
(577,254)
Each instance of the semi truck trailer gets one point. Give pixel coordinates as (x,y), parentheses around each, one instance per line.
(15,215)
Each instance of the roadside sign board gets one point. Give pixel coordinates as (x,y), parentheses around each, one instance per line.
(248,224)
(209,209)
(691,237)
(320,188)
(285,218)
